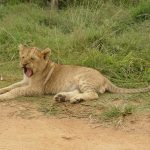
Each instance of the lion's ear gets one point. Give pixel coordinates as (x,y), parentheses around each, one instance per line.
(46,53)
(21,47)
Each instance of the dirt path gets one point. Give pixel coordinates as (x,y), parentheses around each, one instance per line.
(32,131)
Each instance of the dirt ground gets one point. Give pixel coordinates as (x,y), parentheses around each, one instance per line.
(24,128)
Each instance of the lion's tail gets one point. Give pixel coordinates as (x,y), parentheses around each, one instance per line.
(114,89)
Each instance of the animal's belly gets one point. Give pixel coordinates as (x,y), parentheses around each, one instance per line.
(61,87)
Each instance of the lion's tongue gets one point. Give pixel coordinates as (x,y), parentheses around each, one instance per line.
(28,72)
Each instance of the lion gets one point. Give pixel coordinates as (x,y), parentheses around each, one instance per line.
(68,82)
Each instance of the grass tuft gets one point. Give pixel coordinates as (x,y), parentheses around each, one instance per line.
(114,112)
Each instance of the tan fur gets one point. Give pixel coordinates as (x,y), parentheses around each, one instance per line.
(69,83)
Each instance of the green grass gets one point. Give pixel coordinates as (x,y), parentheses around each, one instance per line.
(110,37)
(141,12)
(106,38)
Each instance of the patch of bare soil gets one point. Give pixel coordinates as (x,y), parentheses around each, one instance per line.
(23,128)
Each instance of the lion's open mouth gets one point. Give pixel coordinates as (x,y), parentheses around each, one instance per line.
(28,72)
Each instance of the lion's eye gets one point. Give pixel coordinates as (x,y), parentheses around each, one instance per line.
(32,58)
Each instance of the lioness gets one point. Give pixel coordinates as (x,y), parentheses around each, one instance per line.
(69,83)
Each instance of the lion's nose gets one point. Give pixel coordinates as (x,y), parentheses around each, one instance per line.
(24,65)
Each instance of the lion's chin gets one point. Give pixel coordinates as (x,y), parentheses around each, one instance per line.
(28,72)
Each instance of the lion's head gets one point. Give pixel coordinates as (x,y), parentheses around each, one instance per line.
(33,60)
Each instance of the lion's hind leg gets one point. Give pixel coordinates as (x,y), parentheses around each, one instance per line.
(89,95)
(75,96)
(88,92)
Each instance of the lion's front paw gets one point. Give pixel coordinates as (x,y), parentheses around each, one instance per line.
(2,91)
(3,97)
(6,96)
(60,98)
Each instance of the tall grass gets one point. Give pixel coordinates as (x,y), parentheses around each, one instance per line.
(107,37)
